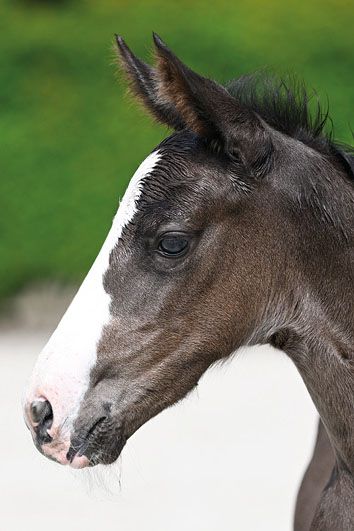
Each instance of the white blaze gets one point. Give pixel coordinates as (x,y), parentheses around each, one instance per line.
(62,371)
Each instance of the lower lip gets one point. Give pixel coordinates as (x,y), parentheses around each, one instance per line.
(79,461)
(61,456)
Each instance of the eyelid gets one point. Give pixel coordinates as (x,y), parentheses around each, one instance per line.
(173,232)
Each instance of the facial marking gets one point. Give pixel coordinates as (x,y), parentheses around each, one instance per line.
(62,372)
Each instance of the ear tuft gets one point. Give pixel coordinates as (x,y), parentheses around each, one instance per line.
(157,40)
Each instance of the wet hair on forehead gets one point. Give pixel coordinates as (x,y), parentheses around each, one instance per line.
(187,179)
(188,170)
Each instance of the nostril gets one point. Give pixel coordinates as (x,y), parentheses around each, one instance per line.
(41,413)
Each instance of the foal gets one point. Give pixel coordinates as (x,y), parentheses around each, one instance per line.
(236,230)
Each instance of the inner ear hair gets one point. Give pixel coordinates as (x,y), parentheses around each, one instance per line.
(143,83)
(173,86)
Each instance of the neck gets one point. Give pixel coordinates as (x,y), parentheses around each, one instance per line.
(319,338)
(325,362)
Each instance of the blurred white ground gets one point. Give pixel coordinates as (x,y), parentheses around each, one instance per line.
(229,457)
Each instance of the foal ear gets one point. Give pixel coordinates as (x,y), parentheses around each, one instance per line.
(209,110)
(142,80)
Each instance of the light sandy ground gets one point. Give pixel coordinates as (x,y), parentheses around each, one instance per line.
(229,457)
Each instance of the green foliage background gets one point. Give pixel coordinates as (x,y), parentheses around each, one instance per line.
(71,138)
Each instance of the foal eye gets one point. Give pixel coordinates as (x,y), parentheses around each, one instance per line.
(173,244)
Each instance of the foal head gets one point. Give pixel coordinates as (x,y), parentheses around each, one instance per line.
(192,268)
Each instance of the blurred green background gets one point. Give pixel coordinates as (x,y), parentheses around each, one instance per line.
(71,138)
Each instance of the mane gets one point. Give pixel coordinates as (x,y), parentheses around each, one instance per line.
(287,106)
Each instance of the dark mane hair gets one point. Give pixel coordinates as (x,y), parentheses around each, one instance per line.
(287,106)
